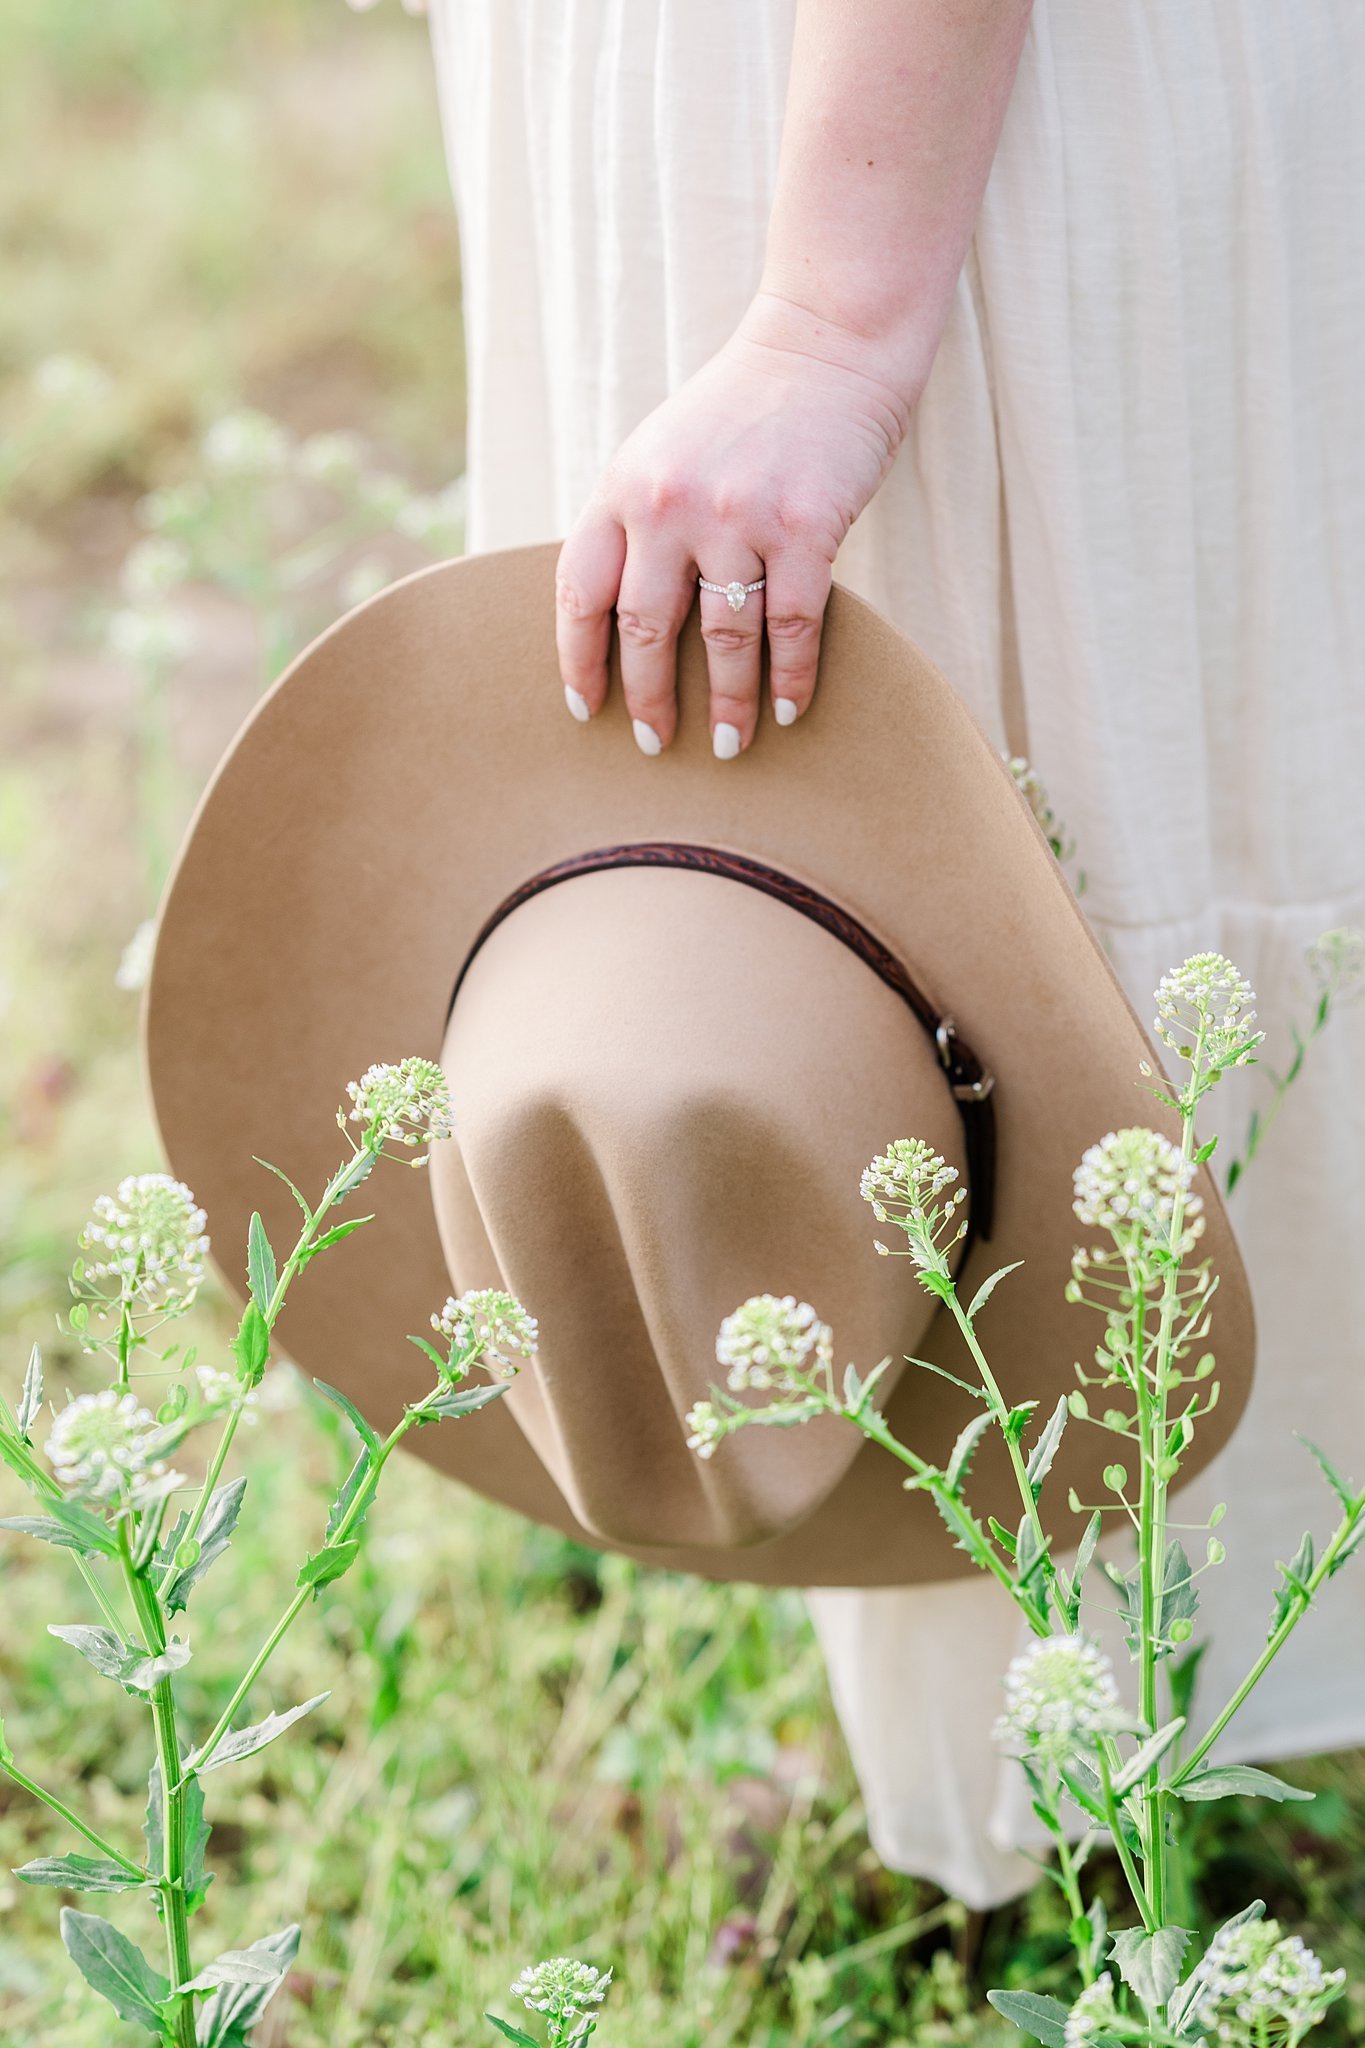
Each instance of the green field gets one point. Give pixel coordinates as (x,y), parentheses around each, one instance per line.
(527,1751)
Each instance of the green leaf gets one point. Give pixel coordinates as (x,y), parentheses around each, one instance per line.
(109,1654)
(1149,1753)
(197,1832)
(987,1288)
(512,2033)
(113,1966)
(337,1232)
(1044,2018)
(345,1500)
(1084,1553)
(1149,1964)
(1179,1594)
(32,1400)
(1342,1488)
(307,1212)
(80,1874)
(145,1673)
(227,2017)
(853,1386)
(325,1565)
(351,1412)
(1296,1575)
(244,1742)
(252,1966)
(1045,1450)
(261,1272)
(251,1346)
(1182,1677)
(457,1401)
(438,1359)
(215,1534)
(1221,1781)
(68,1524)
(965,1448)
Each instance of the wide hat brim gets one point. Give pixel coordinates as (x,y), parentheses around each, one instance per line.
(410,770)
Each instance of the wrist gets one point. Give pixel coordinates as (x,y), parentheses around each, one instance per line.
(890,351)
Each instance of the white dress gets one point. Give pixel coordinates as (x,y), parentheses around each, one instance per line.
(1129,524)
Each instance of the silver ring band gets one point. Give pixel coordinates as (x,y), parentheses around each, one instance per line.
(735,594)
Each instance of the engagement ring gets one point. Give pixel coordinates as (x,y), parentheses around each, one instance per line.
(733,593)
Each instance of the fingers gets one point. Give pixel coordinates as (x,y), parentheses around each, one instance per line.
(587,580)
(795,599)
(656,596)
(734,653)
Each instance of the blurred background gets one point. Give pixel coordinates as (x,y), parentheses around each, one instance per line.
(231,406)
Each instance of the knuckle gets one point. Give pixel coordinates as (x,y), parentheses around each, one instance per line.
(641,630)
(570,599)
(792,629)
(728,639)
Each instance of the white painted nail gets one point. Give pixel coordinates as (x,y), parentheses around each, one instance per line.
(646,739)
(784,710)
(725,742)
(578,704)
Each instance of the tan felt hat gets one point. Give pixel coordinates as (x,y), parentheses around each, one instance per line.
(668,1074)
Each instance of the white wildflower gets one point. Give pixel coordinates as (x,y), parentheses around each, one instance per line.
(219,1390)
(1261,1985)
(406,1104)
(153,568)
(766,1339)
(1336,961)
(135,962)
(1059,1694)
(494,1319)
(99,1441)
(903,1185)
(1128,1184)
(561,1988)
(69,379)
(149,1238)
(1204,1010)
(707,1428)
(1092,2014)
(149,636)
(245,444)
(337,459)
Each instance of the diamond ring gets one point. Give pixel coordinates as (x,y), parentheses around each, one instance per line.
(733,593)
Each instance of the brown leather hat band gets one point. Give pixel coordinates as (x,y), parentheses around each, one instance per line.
(969,1080)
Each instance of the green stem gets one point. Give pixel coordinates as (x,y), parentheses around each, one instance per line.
(1000,1410)
(1071,1886)
(1125,1854)
(877,1432)
(63,1812)
(174,1908)
(364,1495)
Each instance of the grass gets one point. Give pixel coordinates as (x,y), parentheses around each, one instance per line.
(528,1750)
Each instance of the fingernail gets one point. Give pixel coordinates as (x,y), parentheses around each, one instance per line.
(578,704)
(784,710)
(646,739)
(725,742)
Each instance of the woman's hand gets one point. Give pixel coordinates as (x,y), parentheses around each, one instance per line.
(757,466)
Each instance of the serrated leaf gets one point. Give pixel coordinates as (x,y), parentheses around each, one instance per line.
(1348,1548)
(1045,1450)
(215,1534)
(1150,1752)
(80,1874)
(1149,1964)
(988,1287)
(244,1742)
(227,2017)
(1043,2018)
(280,1175)
(251,1346)
(68,1525)
(1296,1575)
(351,1412)
(262,1275)
(345,1499)
(512,2033)
(236,1966)
(964,1449)
(438,1359)
(32,1399)
(1342,1488)
(333,1563)
(457,1401)
(337,1232)
(1221,1781)
(113,1966)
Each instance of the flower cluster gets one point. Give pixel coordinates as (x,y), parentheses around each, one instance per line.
(1336,962)
(563,1989)
(219,1390)
(492,1319)
(1031,787)
(1129,1184)
(102,1442)
(903,1185)
(148,1237)
(245,444)
(1059,1694)
(708,1427)
(766,1340)
(1092,2015)
(1204,1014)
(1259,1985)
(407,1104)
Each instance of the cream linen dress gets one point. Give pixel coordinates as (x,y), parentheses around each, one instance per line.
(1129,524)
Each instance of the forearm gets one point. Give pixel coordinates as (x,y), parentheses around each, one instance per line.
(893,113)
